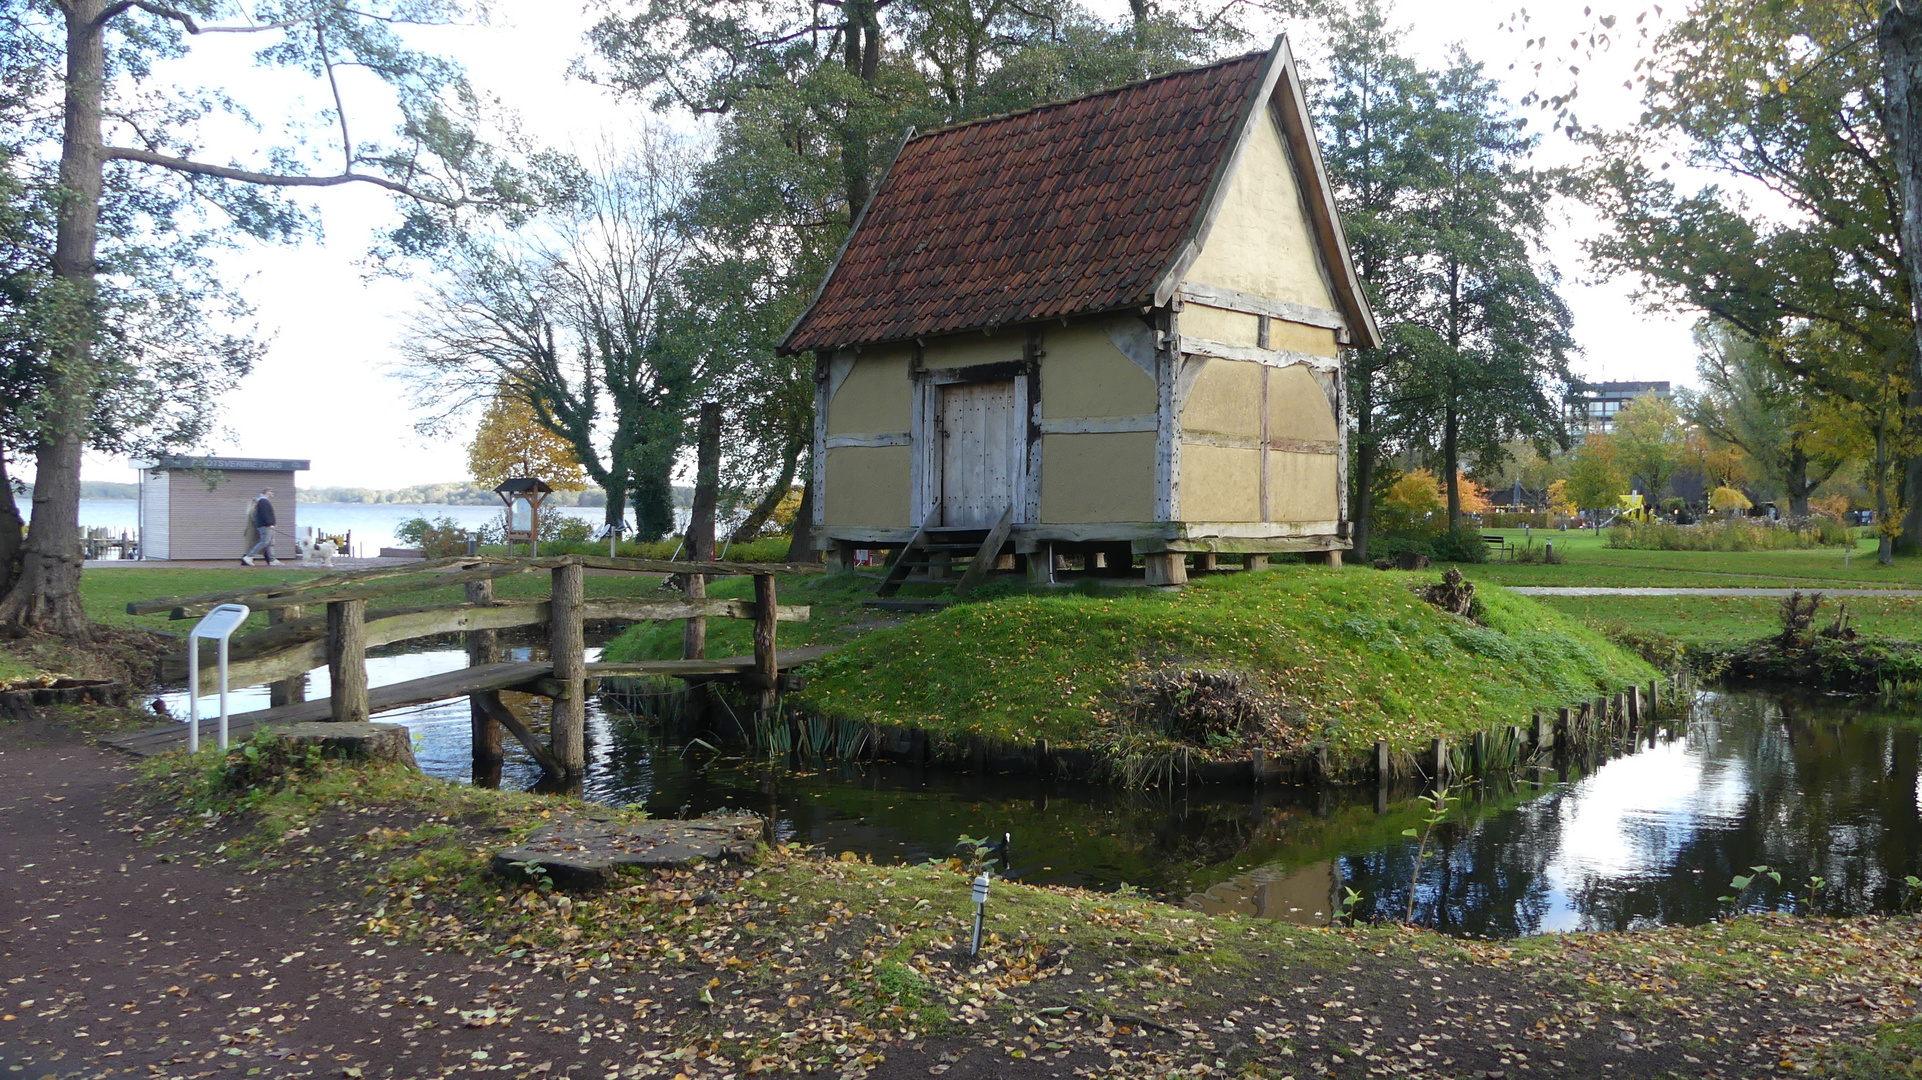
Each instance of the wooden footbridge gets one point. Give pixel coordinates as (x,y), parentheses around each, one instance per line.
(294,643)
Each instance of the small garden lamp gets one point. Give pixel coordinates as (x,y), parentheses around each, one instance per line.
(980,902)
(523,496)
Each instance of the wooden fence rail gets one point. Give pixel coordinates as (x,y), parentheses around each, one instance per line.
(295,643)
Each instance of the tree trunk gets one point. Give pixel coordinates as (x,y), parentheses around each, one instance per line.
(1899,41)
(1451,463)
(1363,498)
(707,484)
(758,517)
(860,49)
(616,499)
(651,489)
(800,549)
(11,531)
(1798,483)
(46,596)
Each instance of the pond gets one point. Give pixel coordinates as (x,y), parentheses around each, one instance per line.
(1810,787)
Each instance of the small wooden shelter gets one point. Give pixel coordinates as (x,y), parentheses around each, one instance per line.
(523,496)
(198,507)
(1109,326)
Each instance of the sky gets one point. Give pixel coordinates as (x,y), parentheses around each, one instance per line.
(326,390)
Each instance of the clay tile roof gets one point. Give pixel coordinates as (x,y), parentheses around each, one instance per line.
(1071,207)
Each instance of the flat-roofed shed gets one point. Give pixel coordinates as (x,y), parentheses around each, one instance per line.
(1112,326)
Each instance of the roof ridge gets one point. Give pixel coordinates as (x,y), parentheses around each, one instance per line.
(1064,102)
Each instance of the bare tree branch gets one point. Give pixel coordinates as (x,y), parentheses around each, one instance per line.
(191,24)
(248,176)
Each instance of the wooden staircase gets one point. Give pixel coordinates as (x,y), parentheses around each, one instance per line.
(947,548)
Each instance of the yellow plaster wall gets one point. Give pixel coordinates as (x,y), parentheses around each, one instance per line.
(1097,478)
(876,397)
(1217,324)
(1220,484)
(1298,408)
(969,349)
(1083,374)
(1313,340)
(1261,242)
(867,486)
(1301,487)
(1225,398)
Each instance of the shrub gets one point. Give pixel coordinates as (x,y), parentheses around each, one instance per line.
(436,539)
(1736,534)
(1412,506)
(1462,545)
(1725,500)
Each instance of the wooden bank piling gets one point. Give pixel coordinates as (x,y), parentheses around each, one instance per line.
(567,648)
(483,648)
(347,661)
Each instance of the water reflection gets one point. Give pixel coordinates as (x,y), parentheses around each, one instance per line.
(1811,787)
(1806,785)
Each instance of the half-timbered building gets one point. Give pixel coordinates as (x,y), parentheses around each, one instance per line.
(1110,328)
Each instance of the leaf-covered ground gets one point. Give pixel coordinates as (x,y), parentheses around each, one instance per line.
(345,927)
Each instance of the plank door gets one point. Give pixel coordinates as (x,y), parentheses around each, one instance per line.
(980,436)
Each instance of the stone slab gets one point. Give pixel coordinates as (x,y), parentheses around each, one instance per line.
(590,854)
(359,742)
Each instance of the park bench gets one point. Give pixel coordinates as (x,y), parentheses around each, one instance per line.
(1498,543)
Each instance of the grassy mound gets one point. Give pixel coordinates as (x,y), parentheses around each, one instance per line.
(1348,658)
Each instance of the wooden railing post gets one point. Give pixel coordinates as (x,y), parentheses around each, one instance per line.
(289,691)
(766,666)
(567,648)
(347,660)
(483,648)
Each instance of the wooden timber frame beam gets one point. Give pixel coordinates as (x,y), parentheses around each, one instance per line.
(290,649)
(436,573)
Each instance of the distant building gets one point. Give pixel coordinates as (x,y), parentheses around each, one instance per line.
(198,507)
(1592,406)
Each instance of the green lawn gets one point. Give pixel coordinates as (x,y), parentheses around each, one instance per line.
(1355,656)
(1589,561)
(1718,620)
(105,593)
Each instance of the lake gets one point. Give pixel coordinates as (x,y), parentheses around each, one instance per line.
(372,524)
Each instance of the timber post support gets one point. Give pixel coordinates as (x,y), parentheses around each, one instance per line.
(1166,568)
(1654,698)
(347,660)
(292,690)
(766,663)
(567,648)
(1254,562)
(483,648)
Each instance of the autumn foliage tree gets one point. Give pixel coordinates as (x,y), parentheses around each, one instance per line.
(510,441)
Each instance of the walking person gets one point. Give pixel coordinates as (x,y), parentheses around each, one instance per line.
(262,517)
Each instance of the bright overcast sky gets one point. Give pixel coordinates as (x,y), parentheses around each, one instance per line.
(323,391)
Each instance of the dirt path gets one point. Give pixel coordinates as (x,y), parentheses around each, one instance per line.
(124,959)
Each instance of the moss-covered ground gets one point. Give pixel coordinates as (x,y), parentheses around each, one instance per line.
(810,963)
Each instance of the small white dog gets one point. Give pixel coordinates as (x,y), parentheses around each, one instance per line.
(326,550)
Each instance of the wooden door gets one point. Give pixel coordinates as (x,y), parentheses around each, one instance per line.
(980,440)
